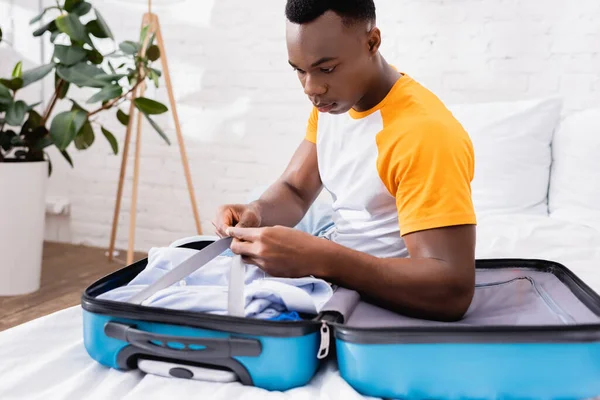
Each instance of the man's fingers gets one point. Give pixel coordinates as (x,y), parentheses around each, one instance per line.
(251,260)
(220,232)
(225,218)
(247,234)
(245,249)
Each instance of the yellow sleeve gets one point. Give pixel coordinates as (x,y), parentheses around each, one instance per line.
(311,128)
(428,166)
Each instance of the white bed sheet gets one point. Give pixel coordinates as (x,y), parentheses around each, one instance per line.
(45,358)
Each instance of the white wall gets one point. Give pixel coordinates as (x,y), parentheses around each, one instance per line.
(237,96)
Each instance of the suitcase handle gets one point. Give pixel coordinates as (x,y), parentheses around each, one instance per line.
(158,344)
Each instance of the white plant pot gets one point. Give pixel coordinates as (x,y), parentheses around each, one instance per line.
(22,217)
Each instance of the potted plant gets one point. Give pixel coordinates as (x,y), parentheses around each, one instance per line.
(27,131)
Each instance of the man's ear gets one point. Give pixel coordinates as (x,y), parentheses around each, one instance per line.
(374,40)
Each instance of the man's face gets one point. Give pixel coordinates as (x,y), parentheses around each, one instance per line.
(332,61)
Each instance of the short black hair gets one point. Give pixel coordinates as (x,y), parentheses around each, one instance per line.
(305,11)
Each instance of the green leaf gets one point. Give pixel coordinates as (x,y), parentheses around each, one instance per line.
(156,71)
(157,128)
(67,157)
(47,158)
(32,106)
(71,25)
(153,53)
(82,8)
(16,141)
(5,96)
(77,106)
(16,113)
(71,4)
(35,138)
(18,70)
(95,57)
(149,106)
(143,34)
(42,143)
(6,140)
(129,47)
(50,26)
(32,128)
(65,126)
(55,35)
(93,28)
(107,93)
(34,75)
(154,77)
(112,69)
(69,55)
(32,123)
(103,25)
(111,139)
(122,117)
(85,138)
(64,87)
(113,54)
(38,18)
(13,84)
(110,77)
(82,75)
(35,118)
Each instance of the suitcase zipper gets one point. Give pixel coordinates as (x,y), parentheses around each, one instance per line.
(324,347)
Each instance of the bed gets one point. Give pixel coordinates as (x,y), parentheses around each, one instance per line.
(557,218)
(46,359)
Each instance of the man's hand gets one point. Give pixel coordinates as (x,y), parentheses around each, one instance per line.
(242,215)
(279,251)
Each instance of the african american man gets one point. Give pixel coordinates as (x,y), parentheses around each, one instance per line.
(396,162)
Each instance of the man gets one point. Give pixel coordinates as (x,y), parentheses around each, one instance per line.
(398,166)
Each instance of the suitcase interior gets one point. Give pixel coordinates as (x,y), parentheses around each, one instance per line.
(275,355)
(532,331)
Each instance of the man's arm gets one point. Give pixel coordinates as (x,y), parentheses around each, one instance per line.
(436,282)
(287,200)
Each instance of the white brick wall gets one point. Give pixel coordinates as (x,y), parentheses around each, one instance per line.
(237,95)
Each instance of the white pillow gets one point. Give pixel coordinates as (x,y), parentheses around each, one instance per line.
(512,153)
(575,179)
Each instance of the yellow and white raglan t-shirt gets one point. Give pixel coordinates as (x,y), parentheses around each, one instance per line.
(403,166)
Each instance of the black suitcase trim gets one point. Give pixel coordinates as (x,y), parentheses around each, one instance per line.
(491,334)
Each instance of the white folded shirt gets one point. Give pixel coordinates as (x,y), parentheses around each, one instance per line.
(206,289)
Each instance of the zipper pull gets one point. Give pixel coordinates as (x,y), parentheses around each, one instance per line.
(324,347)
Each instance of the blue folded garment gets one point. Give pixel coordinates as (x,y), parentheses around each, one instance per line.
(287,316)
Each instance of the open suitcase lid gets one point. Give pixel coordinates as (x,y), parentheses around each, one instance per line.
(515,301)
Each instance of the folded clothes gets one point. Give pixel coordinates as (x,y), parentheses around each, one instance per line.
(206,289)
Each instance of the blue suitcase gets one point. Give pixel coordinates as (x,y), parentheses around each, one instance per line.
(532,332)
